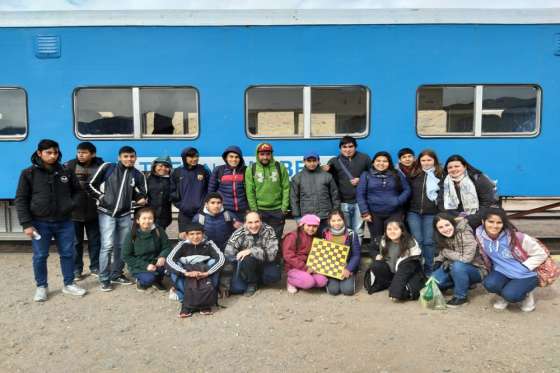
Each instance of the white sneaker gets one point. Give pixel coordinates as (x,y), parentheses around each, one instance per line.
(500,303)
(528,303)
(291,289)
(41,294)
(173,295)
(73,289)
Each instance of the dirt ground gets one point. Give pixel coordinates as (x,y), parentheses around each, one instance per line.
(129,331)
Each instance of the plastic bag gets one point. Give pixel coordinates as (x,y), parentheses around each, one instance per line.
(431,297)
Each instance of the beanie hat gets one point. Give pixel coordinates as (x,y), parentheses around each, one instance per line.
(309,219)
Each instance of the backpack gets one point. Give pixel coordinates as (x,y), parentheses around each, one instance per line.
(369,280)
(199,294)
(548,271)
(227,217)
(276,164)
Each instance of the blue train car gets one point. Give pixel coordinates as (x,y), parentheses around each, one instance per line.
(482,83)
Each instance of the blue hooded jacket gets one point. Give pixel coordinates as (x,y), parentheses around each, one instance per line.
(189,186)
(217,228)
(378,193)
(230,182)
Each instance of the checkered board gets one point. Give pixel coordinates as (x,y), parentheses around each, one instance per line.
(328,258)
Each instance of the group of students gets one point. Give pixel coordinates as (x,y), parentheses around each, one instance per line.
(231,222)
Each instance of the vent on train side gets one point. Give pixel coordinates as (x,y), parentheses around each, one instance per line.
(557,44)
(47,46)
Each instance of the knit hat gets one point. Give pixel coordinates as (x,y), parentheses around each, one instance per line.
(211,195)
(311,155)
(309,219)
(192,227)
(404,151)
(264,147)
(166,160)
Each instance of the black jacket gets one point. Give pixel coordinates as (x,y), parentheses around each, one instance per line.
(358,164)
(117,188)
(45,194)
(86,208)
(419,202)
(159,198)
(313,192)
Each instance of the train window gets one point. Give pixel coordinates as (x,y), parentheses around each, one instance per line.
(306,111)
(338,111)
(275,111)
(478,110)
(103,112)
(13,114)
(169,112)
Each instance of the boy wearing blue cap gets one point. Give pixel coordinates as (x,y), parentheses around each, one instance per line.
(313,190)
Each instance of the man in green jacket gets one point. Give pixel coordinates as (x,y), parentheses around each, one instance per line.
(267,185)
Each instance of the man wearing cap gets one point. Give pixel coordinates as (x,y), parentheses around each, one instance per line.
(267,186)
(313,190)
(346,169)
(189,185)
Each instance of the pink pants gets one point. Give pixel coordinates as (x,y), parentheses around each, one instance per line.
(303,280)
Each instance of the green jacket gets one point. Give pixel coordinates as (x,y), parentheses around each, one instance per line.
(265,190)
(144,250)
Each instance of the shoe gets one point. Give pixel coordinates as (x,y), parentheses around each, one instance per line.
(291,289)
(500,303)
(106,286)
(141,288)
(206,312)
(41,294)
(74,289)
(528,303)
(185,314)
(457,302)
(173,295)
(121,280)
(159,286)
(77,276)
(94,272)
(251,290)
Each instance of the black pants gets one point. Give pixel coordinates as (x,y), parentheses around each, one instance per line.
(377,229)
(405,284)
(274,218)
(94,244)
(184,220)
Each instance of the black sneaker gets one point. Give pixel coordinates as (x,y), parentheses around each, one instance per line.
(251,290)
(159,286)
(106,286)
(121,280)
(141,288)
(77,275)
(457,302)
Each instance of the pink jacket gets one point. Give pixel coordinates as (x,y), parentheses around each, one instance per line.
(296,257)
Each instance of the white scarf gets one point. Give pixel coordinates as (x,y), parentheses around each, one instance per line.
(469,198)
(432,182)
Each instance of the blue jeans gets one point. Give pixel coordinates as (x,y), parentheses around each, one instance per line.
(353,218)
(113,232)
(63,233)
(94,244)
(268,273)
(460,276)
(149,278)
(421,227)
(512,290)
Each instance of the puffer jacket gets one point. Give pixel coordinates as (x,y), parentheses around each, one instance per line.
(230,182)
(462,247)
(47,194)
(159,193)
(295,256)
(313,192)
(218,227)
(86,209)
(117,188)
(378,193)
(419,201)
(189,186)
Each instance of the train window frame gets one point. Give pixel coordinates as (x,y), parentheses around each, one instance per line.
(26,113)
(307,108)
(136,114)
(478,112)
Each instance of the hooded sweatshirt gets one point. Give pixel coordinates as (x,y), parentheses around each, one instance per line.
(159,193)
(266,189)
(189,186)
(46,193)
(229,182)
(217,227)
(86,209)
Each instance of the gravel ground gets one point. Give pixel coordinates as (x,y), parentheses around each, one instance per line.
(125,330)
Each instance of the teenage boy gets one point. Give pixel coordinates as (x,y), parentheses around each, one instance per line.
(45,197)
(84,215)
(346,169)
(406,160)
(189,185)
(119,189)
(159,190)
(313,191)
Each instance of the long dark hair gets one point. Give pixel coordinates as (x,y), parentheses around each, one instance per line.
(339,213)
(390,170)
(137,214)
(509,228)
(299,231)
(417,168)
(458,158)
(405,242)
(441,241)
